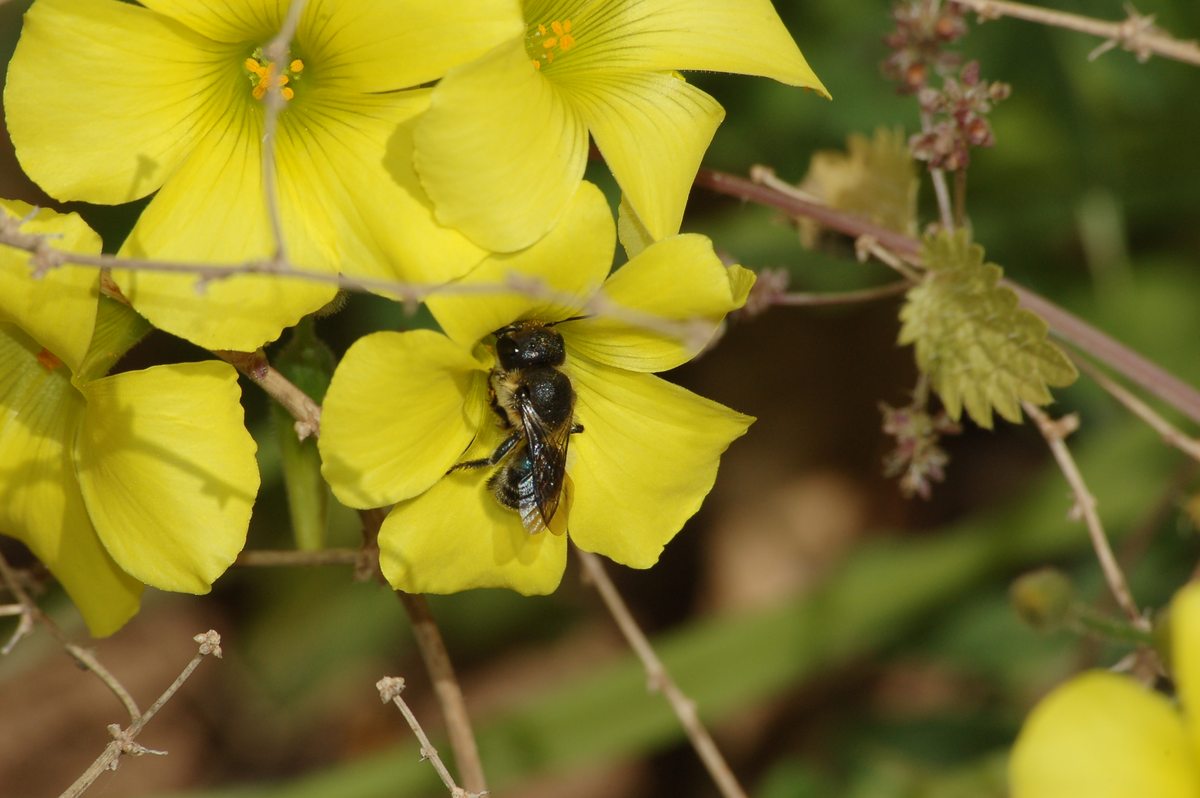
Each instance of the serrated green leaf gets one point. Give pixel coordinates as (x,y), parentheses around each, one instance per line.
(979,349)
(874,178)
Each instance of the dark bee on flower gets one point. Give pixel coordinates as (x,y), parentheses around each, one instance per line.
(536,403)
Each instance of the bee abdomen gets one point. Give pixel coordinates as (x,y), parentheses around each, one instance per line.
(513,485)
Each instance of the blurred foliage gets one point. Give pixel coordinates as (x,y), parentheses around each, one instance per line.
(894,667)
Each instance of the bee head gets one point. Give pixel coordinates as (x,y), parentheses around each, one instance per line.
(527,347)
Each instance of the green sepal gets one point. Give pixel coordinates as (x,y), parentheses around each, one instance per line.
(979,349)
(118,328)
(308,363)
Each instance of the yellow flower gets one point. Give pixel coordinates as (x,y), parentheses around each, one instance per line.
(108,102)
(505,142)
(1102,735)
(142,477)
(403,408)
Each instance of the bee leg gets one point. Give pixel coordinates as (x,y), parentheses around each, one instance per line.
(576,428)
(503,449)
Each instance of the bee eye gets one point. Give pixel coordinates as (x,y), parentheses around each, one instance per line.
(507,353)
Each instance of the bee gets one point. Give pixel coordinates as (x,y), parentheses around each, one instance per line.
(535,402)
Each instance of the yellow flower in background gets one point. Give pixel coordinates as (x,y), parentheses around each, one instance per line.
(505,141)
(143,477)
(404,408)
(108,102)
(1103,735)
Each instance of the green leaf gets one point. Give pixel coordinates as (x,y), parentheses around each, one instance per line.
(979,350)
(874,178)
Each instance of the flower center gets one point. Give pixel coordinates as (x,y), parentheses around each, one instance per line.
(265,74)
(543,43)
(47,360)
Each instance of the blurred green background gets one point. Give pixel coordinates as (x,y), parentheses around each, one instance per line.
(840,640)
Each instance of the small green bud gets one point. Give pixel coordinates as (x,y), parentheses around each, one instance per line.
(1043,598)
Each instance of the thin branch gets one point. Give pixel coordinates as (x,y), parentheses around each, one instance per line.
(866,247)
(441,670)
(276,53)
(1065,325)
(1136,33)
(301,407)
(843,298)
(1055,433)
(1170,434)
(123,739)
(693,332)
(1152,378)
(660,681)
(87,660)
(389,688)
(446,687)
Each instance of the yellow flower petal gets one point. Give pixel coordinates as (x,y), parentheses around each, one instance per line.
(652,129)
(59,308)
(1103,736)
(213,211)
(379,219)
(456,536)
(677,279)
(401,409)
(631,232)
(232,21)
(379,47)
(645,461)
(105,99)
(40,503)
(740,36)
(1185,656)
(168,472)
(500,152)
(571,261)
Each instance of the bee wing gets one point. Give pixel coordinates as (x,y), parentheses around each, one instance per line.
(547,447)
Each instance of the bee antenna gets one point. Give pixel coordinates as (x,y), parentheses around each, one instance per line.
(564,321)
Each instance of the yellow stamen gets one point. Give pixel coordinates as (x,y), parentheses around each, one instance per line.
(543,43)
(264,76)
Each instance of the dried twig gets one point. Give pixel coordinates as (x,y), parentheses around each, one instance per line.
(441,671)
(446,687)
(31,613)
(660,681)
(1136,33)
(123,739)
(1055,433)
(390,688)
(46,256)
(301,407)
(1170,434)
